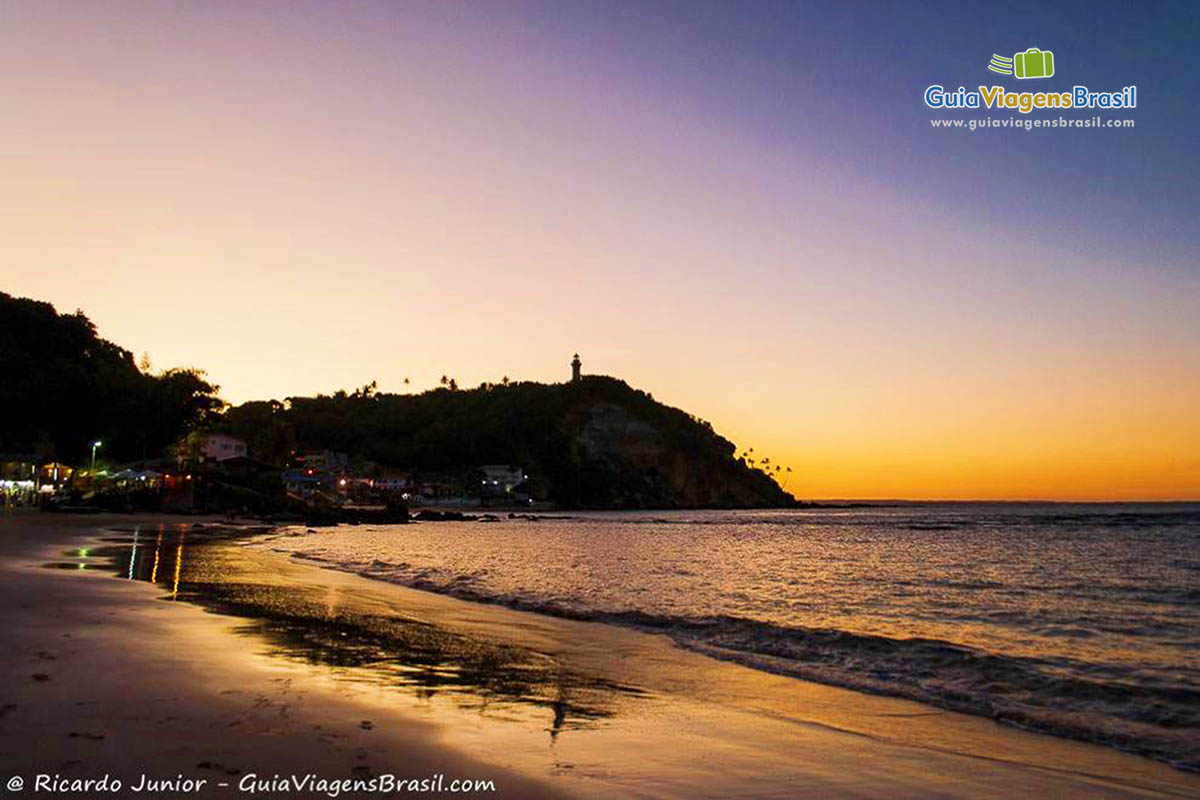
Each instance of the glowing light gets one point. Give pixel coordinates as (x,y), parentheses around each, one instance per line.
(154,569)
(178,563)
(133,550)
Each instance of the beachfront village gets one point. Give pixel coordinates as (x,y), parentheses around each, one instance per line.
(214,472)
(208,469)
(90,428)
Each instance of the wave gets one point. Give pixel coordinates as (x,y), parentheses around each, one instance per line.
(1157,719)
(918,517)
(918,520)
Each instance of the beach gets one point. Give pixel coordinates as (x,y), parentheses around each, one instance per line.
(103,680)
(300,671)
(599,400)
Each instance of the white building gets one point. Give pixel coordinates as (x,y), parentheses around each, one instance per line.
(502,478)
(219,446)
(391,483)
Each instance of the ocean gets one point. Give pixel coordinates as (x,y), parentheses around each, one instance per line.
(1080,620)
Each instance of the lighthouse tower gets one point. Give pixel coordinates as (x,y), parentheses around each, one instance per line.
(575,365)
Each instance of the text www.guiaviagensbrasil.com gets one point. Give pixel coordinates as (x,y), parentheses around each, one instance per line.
(1017,123)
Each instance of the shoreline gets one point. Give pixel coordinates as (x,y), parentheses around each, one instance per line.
(625,702)
(1061,683)
(103,678)
(759,661)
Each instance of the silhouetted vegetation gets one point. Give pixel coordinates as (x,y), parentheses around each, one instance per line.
(595,443)
(63,387)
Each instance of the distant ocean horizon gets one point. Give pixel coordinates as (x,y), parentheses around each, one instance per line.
(876,501)
(1076,619)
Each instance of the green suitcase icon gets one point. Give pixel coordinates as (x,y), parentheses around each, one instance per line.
(1034,63)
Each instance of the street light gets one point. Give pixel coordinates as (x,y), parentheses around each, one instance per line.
(95,444)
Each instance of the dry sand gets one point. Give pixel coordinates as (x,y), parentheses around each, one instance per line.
(106,676)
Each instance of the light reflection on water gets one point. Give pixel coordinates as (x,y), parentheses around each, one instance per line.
(310,622)
(1082,620)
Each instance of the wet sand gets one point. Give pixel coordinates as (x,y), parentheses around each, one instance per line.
(214,660)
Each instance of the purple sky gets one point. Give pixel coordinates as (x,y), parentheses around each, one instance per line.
(741,208)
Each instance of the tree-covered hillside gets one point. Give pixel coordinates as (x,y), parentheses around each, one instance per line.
(63,387)
(595,443)
(592,443)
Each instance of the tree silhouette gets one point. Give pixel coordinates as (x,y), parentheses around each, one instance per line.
(65,387)
(529,423)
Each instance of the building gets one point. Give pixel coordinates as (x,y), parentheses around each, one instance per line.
(318,474)
(393,482)
(53,475)
(220,446)
(303,482)
(18,480)
(576,365)
(501,478)
(326,461)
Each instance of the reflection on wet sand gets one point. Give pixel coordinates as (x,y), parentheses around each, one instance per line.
(315,624)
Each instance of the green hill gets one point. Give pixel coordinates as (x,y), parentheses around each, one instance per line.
(63,387)
(597,443)
(594,443)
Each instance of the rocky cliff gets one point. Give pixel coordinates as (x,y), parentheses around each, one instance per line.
(623,459)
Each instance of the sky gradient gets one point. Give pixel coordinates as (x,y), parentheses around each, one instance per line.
(738,207)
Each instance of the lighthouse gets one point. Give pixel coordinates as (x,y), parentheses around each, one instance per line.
(575,365)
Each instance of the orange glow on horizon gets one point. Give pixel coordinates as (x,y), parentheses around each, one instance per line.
(296,212)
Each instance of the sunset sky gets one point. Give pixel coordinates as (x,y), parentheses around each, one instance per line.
(738,207)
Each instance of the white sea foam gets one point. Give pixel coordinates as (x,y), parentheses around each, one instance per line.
(1077,620)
